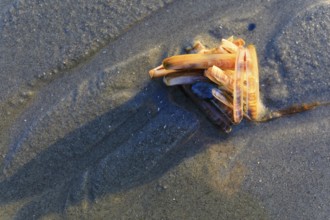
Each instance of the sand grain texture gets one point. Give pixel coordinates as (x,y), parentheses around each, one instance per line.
(86,134)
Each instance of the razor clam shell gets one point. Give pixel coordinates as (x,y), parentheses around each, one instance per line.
(203,90)
(160,71)
(211,111)
(219,76)
(200,61)
(229,46)
(240,68)
(219,95)
(183,78)
(255,108)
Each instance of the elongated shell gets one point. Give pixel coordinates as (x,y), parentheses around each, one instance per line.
(160,71)
(211,111)
(238,85)
(183,78)
(255,107)
(200,61)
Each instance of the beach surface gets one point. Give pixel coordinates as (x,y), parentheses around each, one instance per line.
(86,134)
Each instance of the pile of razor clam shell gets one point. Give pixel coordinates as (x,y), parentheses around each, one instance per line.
(223,82)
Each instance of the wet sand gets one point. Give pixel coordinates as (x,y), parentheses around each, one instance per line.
(86,134)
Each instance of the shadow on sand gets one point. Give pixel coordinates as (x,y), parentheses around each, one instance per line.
(141,148)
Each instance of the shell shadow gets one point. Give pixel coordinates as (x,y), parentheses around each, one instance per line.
(151,140)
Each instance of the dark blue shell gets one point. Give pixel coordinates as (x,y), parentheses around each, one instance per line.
(203,90)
